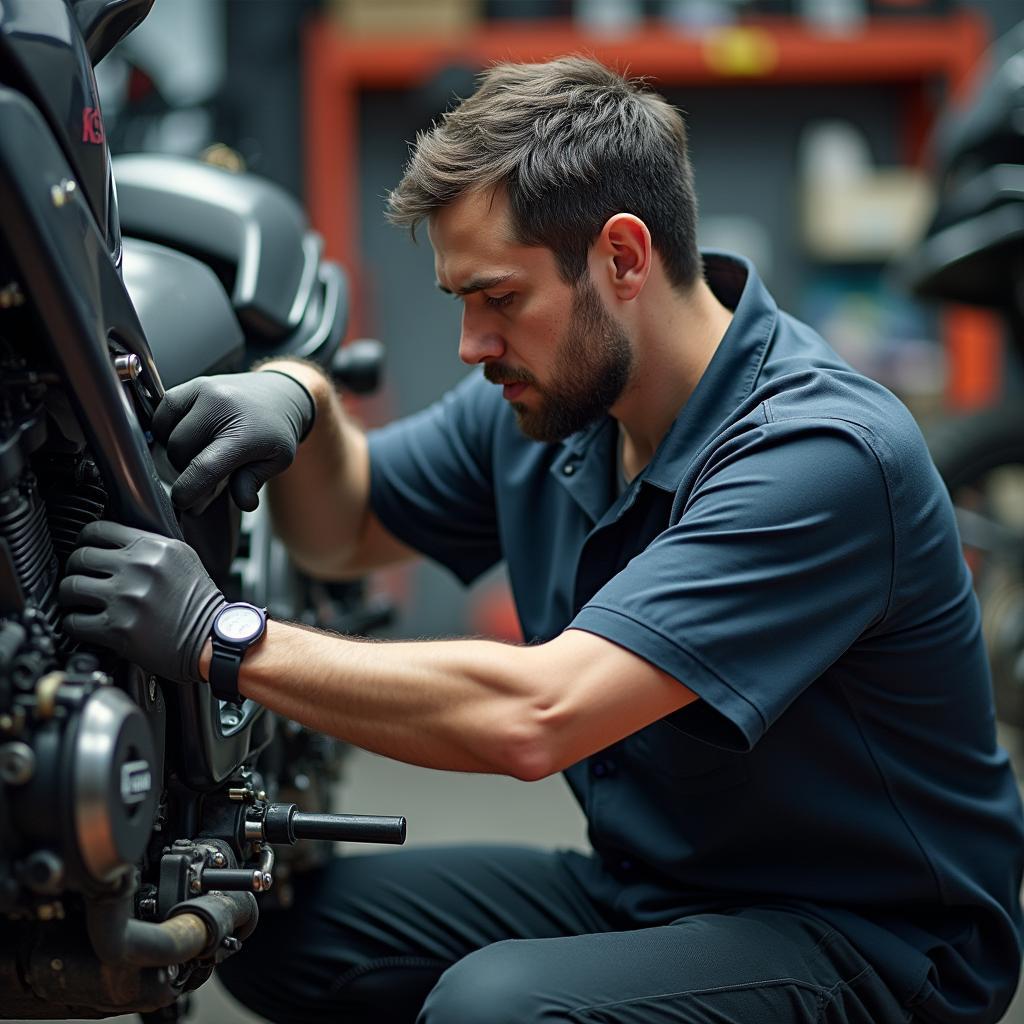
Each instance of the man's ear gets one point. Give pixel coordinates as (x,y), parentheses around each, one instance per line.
(623,250)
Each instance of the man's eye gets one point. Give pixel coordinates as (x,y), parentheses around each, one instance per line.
(497,301)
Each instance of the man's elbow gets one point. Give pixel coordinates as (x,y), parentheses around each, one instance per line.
(529,752)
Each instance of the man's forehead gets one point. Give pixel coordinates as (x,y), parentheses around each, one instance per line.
(474,219)
(473,247)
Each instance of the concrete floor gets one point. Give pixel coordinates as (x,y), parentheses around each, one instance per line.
(441,808)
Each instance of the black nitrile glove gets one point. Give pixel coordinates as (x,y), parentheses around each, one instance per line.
(242,426)
(143,596)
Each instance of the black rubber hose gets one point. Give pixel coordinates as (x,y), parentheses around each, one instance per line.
(225,914)
(194,928)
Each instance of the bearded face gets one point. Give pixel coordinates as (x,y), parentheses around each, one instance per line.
(590,370)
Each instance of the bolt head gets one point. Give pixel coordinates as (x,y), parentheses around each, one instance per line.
(56,964)
(219,859)
(195,885)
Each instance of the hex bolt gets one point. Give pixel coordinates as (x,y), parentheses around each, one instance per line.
(268,880)
(56,964)
(231,944)
(219,860)
(44,872)
(17,763)
(195,885)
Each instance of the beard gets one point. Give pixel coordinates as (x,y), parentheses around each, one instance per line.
(591,369)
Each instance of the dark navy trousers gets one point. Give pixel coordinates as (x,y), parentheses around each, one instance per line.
(499,935)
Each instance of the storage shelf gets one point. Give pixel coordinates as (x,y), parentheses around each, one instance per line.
(911,55)
(773,49)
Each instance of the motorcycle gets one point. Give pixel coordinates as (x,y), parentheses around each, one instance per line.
(973,253)
(139,819)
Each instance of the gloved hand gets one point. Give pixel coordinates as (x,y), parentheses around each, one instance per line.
(242,426)
(146,597)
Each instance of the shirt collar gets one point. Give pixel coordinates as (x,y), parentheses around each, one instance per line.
(732,373)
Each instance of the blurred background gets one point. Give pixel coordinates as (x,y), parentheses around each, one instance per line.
(813,133)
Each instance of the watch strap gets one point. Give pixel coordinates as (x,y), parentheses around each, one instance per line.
(224,667)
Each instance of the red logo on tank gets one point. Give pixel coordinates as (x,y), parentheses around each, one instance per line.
(92,126)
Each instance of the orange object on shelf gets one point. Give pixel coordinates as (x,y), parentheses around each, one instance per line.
(974,355)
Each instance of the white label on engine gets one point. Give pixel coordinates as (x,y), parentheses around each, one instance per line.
(136,781)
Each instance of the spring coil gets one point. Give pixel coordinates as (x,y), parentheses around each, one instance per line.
(23,526)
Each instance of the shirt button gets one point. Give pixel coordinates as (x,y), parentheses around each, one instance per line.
(569,468)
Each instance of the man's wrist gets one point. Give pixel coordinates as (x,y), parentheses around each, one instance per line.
(308,375)
(205,657)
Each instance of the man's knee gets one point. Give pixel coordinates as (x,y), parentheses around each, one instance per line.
(503,983)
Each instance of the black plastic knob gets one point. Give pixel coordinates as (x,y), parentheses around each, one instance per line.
(284,823)
(350,828)
(358,366)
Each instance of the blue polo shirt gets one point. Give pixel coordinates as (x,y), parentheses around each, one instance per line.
(790,555)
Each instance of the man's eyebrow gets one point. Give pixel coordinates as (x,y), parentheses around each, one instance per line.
(478,284)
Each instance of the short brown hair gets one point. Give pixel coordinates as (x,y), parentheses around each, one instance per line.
(572,143)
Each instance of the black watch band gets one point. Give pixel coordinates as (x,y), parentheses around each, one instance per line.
(224,666)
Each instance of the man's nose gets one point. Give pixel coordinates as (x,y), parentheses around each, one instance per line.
(478,342)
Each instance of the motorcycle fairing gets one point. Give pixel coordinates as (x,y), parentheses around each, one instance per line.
(972,253)
(104,23)
(43,56)
(189,322)
(71,281)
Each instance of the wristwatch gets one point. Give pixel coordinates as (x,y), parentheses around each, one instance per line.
(235,629)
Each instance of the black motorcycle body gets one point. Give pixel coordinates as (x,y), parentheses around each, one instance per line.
(973,253)
(135,824)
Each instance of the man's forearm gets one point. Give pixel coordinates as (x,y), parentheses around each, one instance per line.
(460,705)
(318,504)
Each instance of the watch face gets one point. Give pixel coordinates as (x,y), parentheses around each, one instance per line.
(239,622)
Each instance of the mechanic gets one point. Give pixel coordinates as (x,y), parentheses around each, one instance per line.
(754,648)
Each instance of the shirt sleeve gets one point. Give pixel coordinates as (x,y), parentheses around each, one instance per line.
(780,560)
(431,480)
